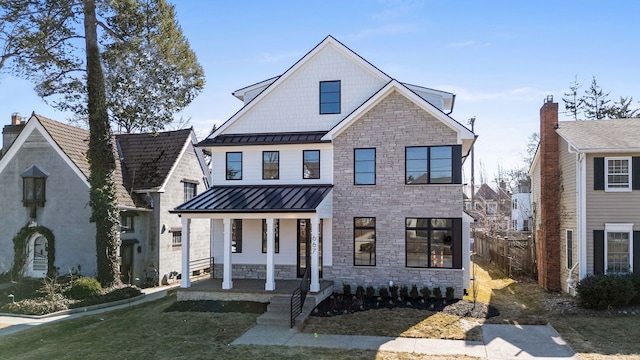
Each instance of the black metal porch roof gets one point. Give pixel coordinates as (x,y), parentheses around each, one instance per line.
(266,138)
(256,199)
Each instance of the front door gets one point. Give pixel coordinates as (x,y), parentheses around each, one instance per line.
(304,246)
(126,264)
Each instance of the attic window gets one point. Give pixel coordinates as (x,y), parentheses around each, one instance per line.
(34,182)
(330,97)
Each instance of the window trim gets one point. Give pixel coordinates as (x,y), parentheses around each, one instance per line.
(629,174)
(319,164)
(618,228)
(227,165)
(375,239)
(320,93)
(355,161)
(276,231)
(568,248)
(277,177)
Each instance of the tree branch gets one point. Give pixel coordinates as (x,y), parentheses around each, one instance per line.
(108,29)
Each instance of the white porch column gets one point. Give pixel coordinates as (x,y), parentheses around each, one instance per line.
(315,254)
(227,283)
(270,284)
(185,281)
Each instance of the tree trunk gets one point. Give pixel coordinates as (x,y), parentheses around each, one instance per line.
(101,159)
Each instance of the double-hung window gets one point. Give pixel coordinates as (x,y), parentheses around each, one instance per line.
(234,166)
(270,165)
(364,241)
(311,164)
(364,167)
(429,165)
(618,247)
(618,173)
(330,97)
(429,242)
(276,234)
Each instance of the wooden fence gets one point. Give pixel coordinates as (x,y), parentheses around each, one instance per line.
(513,253)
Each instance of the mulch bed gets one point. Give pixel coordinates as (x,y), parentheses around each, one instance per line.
(219,306)
(338,304)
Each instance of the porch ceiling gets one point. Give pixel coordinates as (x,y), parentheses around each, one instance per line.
(256,199)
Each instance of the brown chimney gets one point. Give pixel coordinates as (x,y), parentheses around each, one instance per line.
(11,132)
(549,231)
(16,119)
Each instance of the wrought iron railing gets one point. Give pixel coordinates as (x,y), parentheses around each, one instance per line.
(299,295)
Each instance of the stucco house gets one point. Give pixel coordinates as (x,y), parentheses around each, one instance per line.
(586,198)
(45,197)
(337,168)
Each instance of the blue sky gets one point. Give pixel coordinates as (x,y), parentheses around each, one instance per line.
(500,58)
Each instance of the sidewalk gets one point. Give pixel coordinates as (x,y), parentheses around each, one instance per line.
(500,342)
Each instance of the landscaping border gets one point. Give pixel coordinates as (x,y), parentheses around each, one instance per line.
(77,310)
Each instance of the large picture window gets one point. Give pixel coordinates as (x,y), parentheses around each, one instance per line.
(234,166)
(276,233)
(236,236)
(364,166)
(270,165)
(311,164)
(429,165)
(364,241)
(330,97)
(429,242)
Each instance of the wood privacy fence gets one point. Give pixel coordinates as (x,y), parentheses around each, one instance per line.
(513,253)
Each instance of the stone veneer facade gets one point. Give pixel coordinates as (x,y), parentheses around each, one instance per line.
(389,127)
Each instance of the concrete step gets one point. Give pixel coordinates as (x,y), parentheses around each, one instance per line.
(279,311)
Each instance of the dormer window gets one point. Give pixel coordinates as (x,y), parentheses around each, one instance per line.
(330,97)
(34,186)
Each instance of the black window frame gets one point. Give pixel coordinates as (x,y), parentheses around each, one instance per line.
(569,245)
(127,223)
(232,178)
(455,228)
(355,166)
(236,236)
(454,164)
(30,193)
(276,231)
(277,166)
(364,247)
(323,99)
(304,162)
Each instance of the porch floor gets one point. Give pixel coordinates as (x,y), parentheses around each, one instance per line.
(247,290)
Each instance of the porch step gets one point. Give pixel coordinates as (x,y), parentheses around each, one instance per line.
(279,311)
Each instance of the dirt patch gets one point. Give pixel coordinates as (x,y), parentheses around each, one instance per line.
(338,304)
(250,307)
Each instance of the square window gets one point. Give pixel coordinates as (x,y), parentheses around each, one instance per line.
(234,166)
(364,167)
(270,165)
(311,164)
(330,97)
(618,174)
(429,242)
(127,223)
(364,241)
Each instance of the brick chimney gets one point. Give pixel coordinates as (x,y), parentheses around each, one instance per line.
(548,236)
(10,132)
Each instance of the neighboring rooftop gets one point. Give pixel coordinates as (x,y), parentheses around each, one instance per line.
(601,135)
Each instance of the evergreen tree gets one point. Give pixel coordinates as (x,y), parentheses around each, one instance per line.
(572,103)
(622,109)
(596,102)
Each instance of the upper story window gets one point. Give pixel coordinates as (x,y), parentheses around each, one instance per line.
(618,173)
(234,166)
(311,164)
(127,222)
(190,190)
(34,182)
(515,204)
(364,167)
(270,165)
(430,165)
(330,97)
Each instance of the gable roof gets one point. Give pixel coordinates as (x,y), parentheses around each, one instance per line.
(614,135)
(486,192)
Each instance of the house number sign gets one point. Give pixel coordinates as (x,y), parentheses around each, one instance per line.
(314,245)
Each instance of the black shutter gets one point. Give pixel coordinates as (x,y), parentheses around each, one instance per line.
(636,251)
(598,173)
(456,163)
(598,251)
(457,244)
(635,172)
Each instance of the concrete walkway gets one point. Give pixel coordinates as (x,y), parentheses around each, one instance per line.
(500,342)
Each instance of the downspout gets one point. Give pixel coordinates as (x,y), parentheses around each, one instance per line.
(580,221)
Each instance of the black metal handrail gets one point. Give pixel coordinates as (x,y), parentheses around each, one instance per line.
(299,295)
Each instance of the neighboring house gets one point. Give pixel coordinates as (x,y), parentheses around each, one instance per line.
(586,194)
(488,207)
(521,211)
(45,195)
(336,167)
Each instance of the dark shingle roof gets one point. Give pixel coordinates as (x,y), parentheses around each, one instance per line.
(148,158)
(266,138)
(257,198)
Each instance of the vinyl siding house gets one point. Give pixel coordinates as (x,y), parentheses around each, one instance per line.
(44,172)
(336,168)
(588,221)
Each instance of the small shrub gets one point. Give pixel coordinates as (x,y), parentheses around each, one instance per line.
(449,293)
(370,292)
(346,289)
(404,291)
(83,288)
(414,292)
(635,280)
(605,291)
(359,292)
(38,306)
(383,292)
(426,293)
(437,293)
(393,290)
